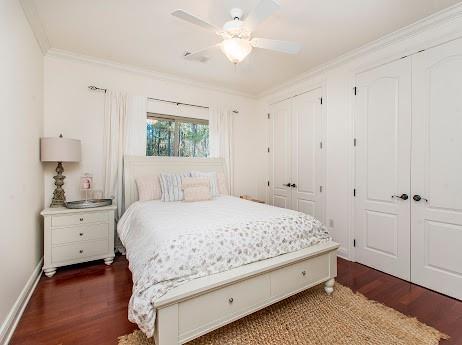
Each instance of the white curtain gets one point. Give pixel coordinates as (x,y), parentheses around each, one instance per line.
(124,133)
(221,139)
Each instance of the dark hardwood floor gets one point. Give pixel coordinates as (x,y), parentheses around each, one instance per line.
(87,304)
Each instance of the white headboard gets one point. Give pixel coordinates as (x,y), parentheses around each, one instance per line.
(138,166)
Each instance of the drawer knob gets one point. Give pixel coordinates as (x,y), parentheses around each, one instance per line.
(81,219)
(303,273)
(81,234)
(231,300)
(81,251)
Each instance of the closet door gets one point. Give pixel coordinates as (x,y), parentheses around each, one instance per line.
(280,194)
(382,204)
(306,157)
(437,169)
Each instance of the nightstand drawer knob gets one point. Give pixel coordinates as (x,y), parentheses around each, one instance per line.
(231,300)
(303,273)
(81,251)
(81,234)
(81,219)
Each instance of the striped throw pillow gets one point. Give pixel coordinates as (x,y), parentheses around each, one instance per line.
(171,186)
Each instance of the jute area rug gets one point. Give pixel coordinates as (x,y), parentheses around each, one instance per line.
(313,317)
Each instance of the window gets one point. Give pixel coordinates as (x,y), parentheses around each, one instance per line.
(177,136)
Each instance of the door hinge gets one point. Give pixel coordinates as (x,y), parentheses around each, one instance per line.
(354,142)
(354,192)
(354,242)
(320,145)
(321,100)
(269,116)
(355,90)
(268,149)
(320,189)
(268,183)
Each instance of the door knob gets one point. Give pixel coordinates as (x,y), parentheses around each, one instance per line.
(418,198)
(293,185)
(402,196)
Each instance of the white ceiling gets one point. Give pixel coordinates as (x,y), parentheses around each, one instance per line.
(142,33)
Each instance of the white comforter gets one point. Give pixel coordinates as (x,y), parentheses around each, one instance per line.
(169,243)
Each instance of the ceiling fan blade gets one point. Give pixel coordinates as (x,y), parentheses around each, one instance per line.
(199,55)
(280,46)
(190,18)
(264,9)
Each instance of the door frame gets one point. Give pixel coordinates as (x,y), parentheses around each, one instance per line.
(320,84)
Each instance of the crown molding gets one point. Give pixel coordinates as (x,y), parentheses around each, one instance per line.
(31,13)
(53,52)
(32,16)
(432,21)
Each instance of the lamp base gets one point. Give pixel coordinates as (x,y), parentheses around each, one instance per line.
(59,199)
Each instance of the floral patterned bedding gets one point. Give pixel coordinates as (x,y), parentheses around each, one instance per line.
(171,243)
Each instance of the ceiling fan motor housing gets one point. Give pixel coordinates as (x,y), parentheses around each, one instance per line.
(236,13)
(235,27)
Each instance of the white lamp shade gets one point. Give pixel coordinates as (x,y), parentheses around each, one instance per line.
(60,150)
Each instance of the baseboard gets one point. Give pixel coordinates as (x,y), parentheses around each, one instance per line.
(13,317)
(342,253)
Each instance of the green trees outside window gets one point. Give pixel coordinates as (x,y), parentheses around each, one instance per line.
(177,136)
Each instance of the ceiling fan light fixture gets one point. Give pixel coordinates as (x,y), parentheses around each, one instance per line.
(236,49)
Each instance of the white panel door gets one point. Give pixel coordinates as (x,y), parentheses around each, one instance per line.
(306,160)
(437,169)
(382,129)
(280,190)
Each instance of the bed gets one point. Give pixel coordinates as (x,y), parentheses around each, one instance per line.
(198,266)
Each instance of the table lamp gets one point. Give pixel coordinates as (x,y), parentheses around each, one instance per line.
(59,150)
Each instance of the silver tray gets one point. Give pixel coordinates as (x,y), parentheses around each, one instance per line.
(89,203)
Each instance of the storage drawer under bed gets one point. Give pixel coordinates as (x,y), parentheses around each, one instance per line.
(222,304)
(289,279)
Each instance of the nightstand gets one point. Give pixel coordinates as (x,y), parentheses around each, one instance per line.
(251,198)
(77,235)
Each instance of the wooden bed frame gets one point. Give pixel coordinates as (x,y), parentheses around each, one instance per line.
(202,305)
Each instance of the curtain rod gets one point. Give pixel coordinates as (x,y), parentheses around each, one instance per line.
(95,88)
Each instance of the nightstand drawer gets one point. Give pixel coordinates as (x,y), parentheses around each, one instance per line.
(80,218)
(79,250)
(79,233)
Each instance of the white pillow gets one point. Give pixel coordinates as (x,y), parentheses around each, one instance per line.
(213,180)
(148,188)
(171,186)
(222,184)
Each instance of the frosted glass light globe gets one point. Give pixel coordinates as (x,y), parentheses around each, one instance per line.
(236,49)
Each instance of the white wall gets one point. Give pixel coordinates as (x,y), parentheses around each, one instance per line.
(71,109)
(21,175)
(338,78)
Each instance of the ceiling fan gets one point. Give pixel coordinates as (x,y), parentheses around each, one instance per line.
(236,34)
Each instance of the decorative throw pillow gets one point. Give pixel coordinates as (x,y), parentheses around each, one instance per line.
(195,182)
(213,180)
(148,188)
(222,184)
(196,189)
(171,186)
